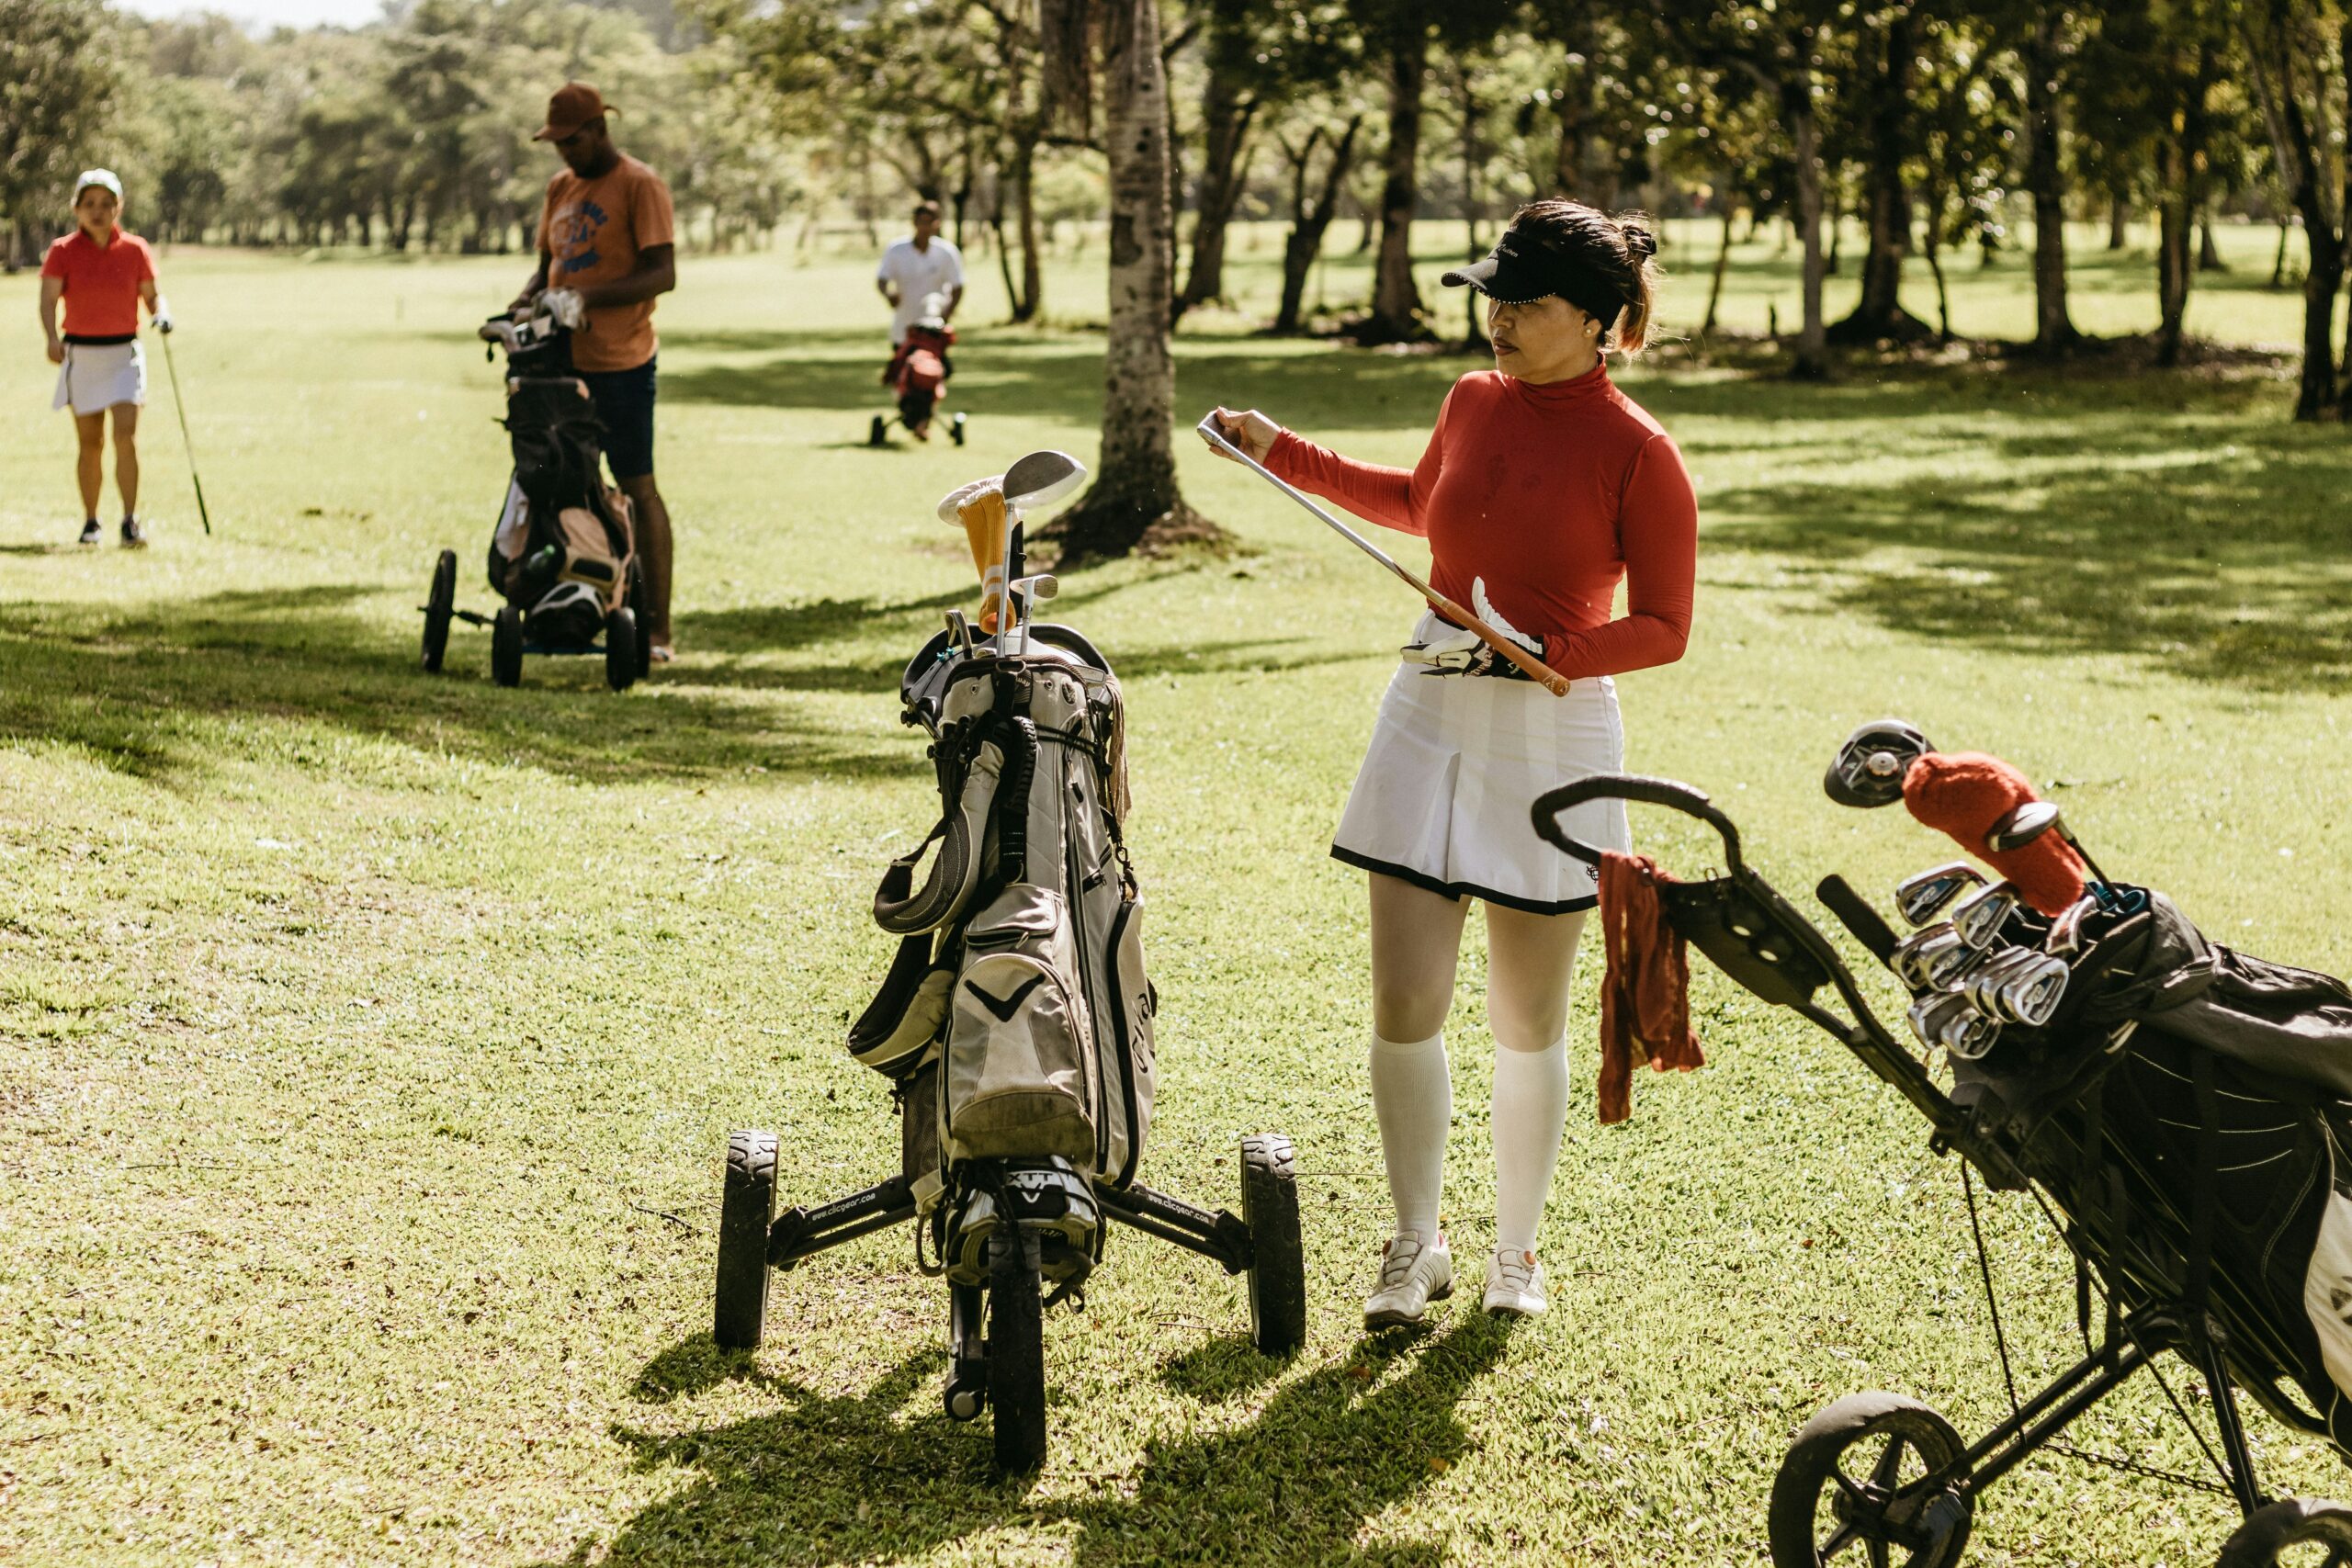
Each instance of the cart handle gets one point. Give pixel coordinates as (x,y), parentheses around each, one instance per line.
(1636,787)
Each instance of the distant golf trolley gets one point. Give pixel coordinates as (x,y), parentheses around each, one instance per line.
(626,646)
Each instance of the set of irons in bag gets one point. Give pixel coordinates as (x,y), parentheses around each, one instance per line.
(1967,981)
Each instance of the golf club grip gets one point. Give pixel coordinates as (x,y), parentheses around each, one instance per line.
(1621,786)
(1855,914)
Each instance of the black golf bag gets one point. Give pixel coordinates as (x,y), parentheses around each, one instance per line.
(1017,1018)
(2183,1114)
(563,550)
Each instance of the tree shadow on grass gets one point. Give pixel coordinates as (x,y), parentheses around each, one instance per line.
(863,1477)
(165,691)
(2216,549)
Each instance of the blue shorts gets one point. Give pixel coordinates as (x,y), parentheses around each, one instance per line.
(624,400)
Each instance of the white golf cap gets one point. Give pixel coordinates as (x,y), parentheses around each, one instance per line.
(106,177)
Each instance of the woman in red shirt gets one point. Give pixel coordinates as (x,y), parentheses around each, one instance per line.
(101,274)
(1543,487)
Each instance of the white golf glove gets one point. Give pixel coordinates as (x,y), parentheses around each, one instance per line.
(162,314)
(566,306)
(1457,650)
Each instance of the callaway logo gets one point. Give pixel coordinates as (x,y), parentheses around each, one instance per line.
(1005,1008)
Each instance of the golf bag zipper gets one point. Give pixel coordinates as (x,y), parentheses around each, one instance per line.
(1073,891)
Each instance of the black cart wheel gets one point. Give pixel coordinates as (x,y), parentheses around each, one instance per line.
(1858,1473)
(620,648)
(1016,1346)
(878,433)
(506,647)
(955,429)
(1277,1274)
(440,604)
(2299,1531)
(744,1215)
(642,609)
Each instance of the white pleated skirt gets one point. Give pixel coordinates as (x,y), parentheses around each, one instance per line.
(1455,764)
(97,376)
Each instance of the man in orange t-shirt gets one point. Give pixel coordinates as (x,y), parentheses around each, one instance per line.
(606,236)
(101,275)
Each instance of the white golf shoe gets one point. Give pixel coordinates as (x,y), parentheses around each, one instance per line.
(1412,1275)
(1514,1283)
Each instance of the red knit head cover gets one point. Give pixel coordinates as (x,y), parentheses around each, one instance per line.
(1964,794)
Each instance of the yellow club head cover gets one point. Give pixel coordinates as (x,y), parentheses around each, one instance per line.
(979,508)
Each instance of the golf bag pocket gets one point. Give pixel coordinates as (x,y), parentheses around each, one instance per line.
(1126,1117)
(906,1015)
(1020,1073)
(2328,1287)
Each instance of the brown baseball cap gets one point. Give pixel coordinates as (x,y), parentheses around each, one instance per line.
(574,106)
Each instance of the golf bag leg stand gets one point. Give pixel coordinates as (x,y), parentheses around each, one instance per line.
(803,1233)
(968,1368)
(1220,1236)
(2243,1483)
(2050,1412)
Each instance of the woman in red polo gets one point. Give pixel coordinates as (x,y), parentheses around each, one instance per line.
(101,274)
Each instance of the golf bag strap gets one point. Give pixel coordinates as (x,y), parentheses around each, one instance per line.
(1013,815)
(2205,1195)
(901,909)
(898,986)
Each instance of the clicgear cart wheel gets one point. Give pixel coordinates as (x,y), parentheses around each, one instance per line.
(440,603)
(744,1215)
(620,648)
(955,429)
(1016,1346)
(2266,1538)
(1277,1276)
(506,647)
(878,431)
(1857,1473)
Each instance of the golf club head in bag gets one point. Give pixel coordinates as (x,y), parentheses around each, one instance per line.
(1980,917)
(1909,958)
(1922,896)
(1868,770)
(1947,1019)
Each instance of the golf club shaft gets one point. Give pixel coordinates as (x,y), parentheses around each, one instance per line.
(1533,668)
(179,406)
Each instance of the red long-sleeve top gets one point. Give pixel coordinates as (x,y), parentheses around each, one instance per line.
(1551,494)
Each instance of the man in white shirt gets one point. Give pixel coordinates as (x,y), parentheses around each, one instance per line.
(915,269)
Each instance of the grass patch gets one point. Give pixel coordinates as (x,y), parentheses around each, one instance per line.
(368,1041)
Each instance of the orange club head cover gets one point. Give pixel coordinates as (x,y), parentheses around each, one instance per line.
(1965,793)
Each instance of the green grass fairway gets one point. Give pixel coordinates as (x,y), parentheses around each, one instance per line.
(368,1041)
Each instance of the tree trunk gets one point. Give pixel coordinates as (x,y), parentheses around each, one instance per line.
(2053,327)
(1311,219)
(1019,171)
(1395,302)
(1225,114)
(2209,255)
(1472,334)
(1723,265)
(1571,158)
(1134,502)
(2182,166)
(1797,112)
(2278,262)
(2119,222)
(1880,314)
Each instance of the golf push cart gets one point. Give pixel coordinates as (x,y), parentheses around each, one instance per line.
(2173,1107)
(1015,1023)
(562,554)
(917,377)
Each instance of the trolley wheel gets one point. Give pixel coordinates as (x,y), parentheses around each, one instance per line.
(2263,1541)
(1856,1472)
(620,648)
(440,604)
(956,430)
(1277,1276)
(878,433)
(744,1215)
(506,647)
(639,607)
(1016,1352)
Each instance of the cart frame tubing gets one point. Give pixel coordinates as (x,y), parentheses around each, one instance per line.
(803,1233)
(1221,1236)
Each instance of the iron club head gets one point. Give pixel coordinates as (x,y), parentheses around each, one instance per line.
(1980,917)
(1922,896)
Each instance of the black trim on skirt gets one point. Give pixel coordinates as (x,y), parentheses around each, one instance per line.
(115,341)
(1462,889)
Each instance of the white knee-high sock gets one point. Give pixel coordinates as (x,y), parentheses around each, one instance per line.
(1413,1096)
(1531,1111)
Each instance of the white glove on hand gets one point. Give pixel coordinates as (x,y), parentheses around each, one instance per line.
(162,314)
(1457,650)
(566,306)
(1487,613)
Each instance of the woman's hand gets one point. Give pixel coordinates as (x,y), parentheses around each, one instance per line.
(1250,431)
(56,352)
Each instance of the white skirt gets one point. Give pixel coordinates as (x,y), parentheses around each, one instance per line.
(97,376)
(1455,762)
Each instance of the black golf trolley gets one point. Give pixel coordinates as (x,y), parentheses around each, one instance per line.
(562,552)
(2187,1185)
(1017,993)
